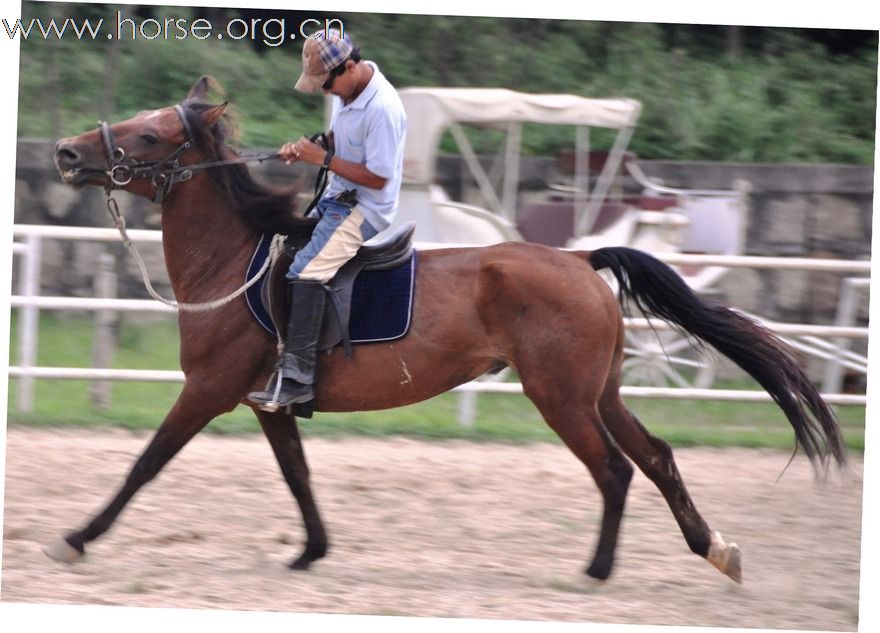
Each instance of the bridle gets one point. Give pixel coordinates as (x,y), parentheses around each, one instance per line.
(163,173)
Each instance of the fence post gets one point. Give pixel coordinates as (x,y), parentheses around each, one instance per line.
(104,341)
(467,408)
(29,283)
(846,313)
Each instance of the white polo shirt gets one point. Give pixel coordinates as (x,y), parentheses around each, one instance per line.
(371,131)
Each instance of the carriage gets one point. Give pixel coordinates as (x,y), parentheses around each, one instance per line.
(593,195)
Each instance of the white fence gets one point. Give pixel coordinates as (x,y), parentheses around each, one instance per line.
(29,302)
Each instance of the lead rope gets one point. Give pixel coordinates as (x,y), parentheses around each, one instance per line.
(119,222)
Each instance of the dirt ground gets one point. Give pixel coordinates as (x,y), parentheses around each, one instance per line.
(441,529)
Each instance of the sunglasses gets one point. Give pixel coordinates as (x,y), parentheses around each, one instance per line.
(336,72)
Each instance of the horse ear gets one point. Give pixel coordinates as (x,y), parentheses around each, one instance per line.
(199,89)
(212,115)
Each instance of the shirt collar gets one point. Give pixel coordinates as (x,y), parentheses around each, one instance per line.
(369,90)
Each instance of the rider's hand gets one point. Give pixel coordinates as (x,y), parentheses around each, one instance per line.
(288,153)
(309,152)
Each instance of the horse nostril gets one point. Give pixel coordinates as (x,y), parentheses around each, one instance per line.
(67,155)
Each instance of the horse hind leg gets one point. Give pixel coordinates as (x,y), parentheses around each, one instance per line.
(613,477)
(575,419)
(281,431)
(654,457)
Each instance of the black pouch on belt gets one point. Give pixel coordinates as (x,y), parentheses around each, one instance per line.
(349,197)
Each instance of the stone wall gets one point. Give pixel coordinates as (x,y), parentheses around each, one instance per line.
(68,266)
(795,210)
(820,211)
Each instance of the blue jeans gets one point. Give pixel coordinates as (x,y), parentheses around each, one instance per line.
(340,232)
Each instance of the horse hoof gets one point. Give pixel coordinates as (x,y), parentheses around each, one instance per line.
(599,571)
(300,564)
(734,563)
(726,557)
(309,556)
(62,551)
(589,584)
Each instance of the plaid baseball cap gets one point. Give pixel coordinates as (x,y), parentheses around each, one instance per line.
(322,52)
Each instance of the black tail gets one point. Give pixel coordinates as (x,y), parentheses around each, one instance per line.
(656,289)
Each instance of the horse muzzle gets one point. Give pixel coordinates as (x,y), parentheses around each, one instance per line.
(75,167)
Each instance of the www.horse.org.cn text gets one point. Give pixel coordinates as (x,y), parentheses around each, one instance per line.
(270,31)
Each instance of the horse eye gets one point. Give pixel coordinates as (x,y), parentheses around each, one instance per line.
(150,139)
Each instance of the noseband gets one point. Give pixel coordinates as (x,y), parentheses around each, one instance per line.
(166,172)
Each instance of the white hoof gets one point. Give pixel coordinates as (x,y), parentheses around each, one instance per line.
(726,557)
(588,584)
(62,551)
(580,584)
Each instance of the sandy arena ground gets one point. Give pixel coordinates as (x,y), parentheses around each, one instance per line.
(443,529)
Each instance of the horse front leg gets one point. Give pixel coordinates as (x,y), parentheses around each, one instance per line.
(281,430)
(191,412)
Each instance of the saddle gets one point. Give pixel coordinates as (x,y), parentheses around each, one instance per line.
(385,259)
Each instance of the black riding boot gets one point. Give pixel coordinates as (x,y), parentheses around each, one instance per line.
(296,367)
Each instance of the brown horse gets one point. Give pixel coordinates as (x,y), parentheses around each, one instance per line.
(542,311)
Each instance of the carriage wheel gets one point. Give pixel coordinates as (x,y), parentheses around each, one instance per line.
(666,359)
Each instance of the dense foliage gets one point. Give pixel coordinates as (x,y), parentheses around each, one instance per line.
(709,92)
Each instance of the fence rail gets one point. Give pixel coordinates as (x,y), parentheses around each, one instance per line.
(30,302)
(666,393)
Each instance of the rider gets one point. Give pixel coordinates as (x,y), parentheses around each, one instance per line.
(365,161)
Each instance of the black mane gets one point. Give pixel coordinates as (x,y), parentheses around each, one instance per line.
(262,206)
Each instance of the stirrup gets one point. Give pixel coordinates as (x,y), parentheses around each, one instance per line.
(274,403)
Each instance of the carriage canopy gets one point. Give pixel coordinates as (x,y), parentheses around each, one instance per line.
(430,111)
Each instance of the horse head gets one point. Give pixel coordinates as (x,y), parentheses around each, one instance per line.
(145,154)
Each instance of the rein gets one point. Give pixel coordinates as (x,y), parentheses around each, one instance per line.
(274,250)
(163,174)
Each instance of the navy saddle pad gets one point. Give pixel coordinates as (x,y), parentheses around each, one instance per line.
(381,300)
